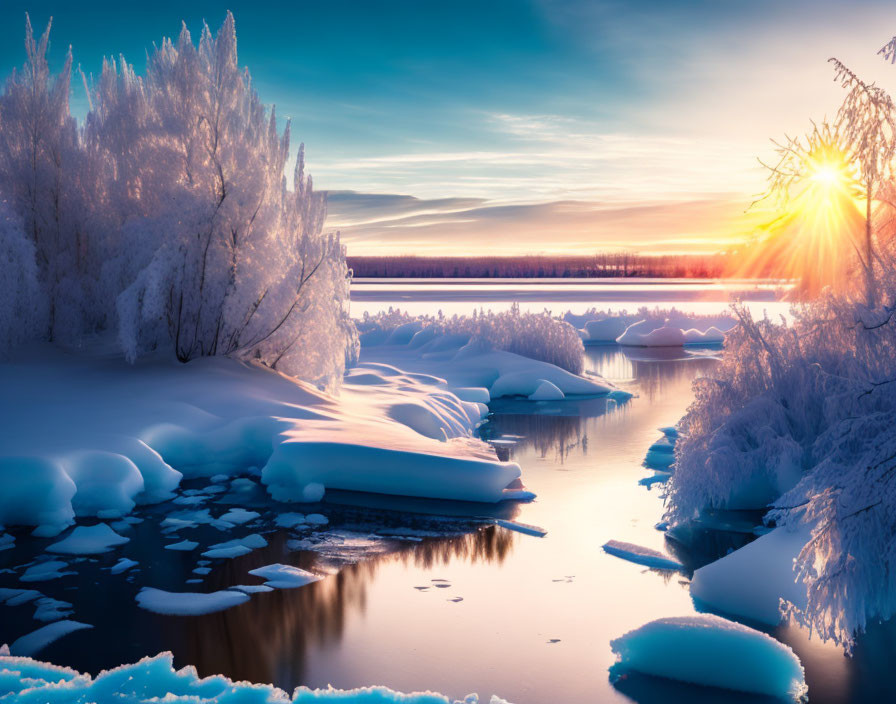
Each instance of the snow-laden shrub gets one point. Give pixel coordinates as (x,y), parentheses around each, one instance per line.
(800,418)
(40,163)
(534,335)
(23,310)
(168,215)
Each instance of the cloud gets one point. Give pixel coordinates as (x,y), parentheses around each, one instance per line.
(390,224)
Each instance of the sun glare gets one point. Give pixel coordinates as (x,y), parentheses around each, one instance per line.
(812,238)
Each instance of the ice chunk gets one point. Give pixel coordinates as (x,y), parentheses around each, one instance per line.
(750,582)
(89,540)
(51,609)
(284,576)
(316,519)
(239,516)
(184,545)
(289,520)
(188,603)
(546,391)
(711,651)
(236,547)
(42,637)
(15,597)
(661,459)
(43,571)
(524,528)
(641,555)
(252,588)
(387,470)
(122,565)
(606,330)
(7,541)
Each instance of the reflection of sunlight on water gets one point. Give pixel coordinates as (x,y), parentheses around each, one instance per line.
(267,638)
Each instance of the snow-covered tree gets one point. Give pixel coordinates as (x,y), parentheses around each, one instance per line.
(39,165)
(168,214)
(798,417)
(867,121)
(23,309)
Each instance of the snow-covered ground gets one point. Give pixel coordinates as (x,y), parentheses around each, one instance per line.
(86,435)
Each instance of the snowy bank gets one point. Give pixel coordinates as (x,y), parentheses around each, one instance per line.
(91,436)
(711,651)
(154,679)
(752,582)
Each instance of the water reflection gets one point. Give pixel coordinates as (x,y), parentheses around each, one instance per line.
(653,370)
(268,638)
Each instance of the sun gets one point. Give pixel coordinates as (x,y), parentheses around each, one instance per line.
(812,239)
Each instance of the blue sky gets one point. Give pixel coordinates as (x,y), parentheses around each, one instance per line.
(518,125)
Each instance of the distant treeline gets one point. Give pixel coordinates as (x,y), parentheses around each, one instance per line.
(688,266)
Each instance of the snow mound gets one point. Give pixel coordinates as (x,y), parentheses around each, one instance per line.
(122,565)
(76,444)
(38,640)
(711,651)
(280,576)
(752,581)
(546,391)
(183,545)
(339,464)
(641,555)
(154,679)
(289,520)
(35,491)
(43,571)
(668,333)
(606,329)
(236,547)
(89,540)
(188,603)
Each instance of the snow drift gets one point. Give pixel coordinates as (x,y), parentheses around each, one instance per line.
(91,436)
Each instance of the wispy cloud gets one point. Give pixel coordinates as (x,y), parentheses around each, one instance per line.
(450,226)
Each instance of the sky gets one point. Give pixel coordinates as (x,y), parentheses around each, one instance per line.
(518,126)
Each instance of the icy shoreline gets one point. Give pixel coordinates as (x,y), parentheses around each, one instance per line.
(98,436)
